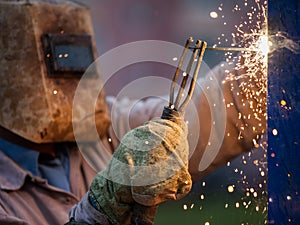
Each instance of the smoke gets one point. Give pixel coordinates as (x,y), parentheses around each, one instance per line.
(280,41)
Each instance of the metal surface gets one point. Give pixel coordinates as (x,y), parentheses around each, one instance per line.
(284,118)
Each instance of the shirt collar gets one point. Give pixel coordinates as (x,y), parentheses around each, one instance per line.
(12,177)
(17,162)
(26,158)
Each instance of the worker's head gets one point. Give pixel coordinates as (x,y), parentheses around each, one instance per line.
(45,50)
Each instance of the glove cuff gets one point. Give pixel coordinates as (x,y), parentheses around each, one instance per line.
(143,215)
(172,115)
(93,201)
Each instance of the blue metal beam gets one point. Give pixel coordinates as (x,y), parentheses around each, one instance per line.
(284,116)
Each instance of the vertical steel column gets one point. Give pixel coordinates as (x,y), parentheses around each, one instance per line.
(284,116)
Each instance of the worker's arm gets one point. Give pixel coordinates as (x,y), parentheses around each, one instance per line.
(225,115)
(232,116)
(225,119)
(149,167)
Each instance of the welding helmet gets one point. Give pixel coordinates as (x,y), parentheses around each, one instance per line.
(46,47)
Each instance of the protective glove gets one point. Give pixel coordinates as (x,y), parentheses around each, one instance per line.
(150,165)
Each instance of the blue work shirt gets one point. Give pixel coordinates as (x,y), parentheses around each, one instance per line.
(56,170)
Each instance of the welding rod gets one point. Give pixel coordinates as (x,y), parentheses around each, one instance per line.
(231,49)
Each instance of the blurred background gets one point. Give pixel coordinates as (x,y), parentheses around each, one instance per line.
(118,22)
(236,193)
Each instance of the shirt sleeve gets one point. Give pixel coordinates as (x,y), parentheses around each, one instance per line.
(127,114)
(232,119)
(84,212)
(7,219)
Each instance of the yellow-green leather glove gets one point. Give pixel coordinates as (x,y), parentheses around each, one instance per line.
(150,166)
